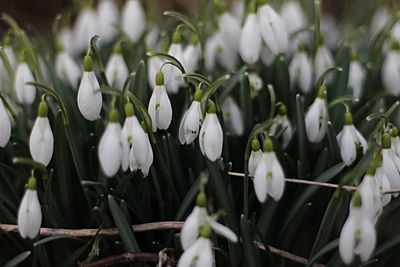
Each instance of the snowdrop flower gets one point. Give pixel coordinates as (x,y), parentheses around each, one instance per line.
(133,21)
(90,99)
(173,76)
(200,253)
(391,70)
(152,39)
(9,51)
(256,156)
(358,235)
(191,56)
(316,119)
(5,83)
(379,20)
(116,69)
(211,52)
(86,26)
(154,64)
(197,218)
(269,177)
(293,16)
(256,83)
(190,123)
(238,9)
(5,130)
(232,116)
(356,78)
(370,194)
(141,154)
(66,67)
(323,61)
(29,213)
(272,28)
(108,14)
(250,38)
(395,139)
(41,141)
(267,57)
(383,181)
(25,93)
(349,140)
(390,163)
(160,109)
(211,136)
(282,120)
(66,37)
(112,146)
(300,70)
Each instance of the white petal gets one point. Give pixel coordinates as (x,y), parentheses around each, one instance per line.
(276,184)
(67,69)
(133,21)
(160,109)
(293,16)
(153,66)
(300,70)
(90,99)
(110,150)
(348,149)
(108,12)
(205,256)
(213,138)
(190,124)
(316,121)
(223,230)
(86,26)
(233,116)
(191,253)
(391,73)
(190,229)
(260,183)
(191,57)
(29,215)
(41,141)
(25,93)
(250,40)
(173,76)
(367,240)
(347,241)
(356,78)
(116,71)
(254,160)
(149,160)
(323,61)
(5,129)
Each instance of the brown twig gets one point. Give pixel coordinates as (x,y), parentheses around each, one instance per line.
(123,258)
(327,185)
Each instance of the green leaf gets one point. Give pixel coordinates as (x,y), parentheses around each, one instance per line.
(52,238)
(282,80)
(302,140)
(324,75)
(184,19)
(124,229)
(331,246)
(211,91)
(333,146)
(245,103)
(387,246)
(197,77)
(30,162)
(233,82)
(251,254)
(170,59)
(140,86)
(17,259)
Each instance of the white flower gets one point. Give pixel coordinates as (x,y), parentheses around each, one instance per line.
(160,109)
(5,129)
(41,141)
(383,183)
(316,119)
(390,164)
(395,140)
(323,61)
(256,156)
(379,20)
(250,40)
(358,235)
(199,254)
(25,93)
(349,140)
(153,66)
(86,26)
(282,120)
(191,57)
(211,136)
(141,154)
(293,16)
(370,195)
(211,52)
(5,83)
(9,51)
(152,38)
(29,212)
(133,22)
(356,78)
(90,99)
(232,116)
(272,29)
(173,76)
(238,9)
(108,19)
(190,123)
(300,71)
(269,177)
(267,57)
(66,37)
(116,69)
(391,71)
(255,81)
(67,69)
(112,146)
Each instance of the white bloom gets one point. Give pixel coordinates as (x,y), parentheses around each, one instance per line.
(41,141)
(300,71)
(108,19)
(330,30)
(5,129)
(358,235)
(29,212)
(391,72)
(390,164)
(25,93)
(66,37)
(395,140)
(116,70)
(9,51)
(153,66)
(356,78)
(191,56)
(67,69)
(211,136)
(293,16)
(349,140)
(323,61)
(256,156)
(152,38)
(199,254)
(190,123)
(250,40)
(160,109)
(173,76)
(282,121)
(316,119)
(5,84)
(267,57)
(133,20)
(272,29)
(86,26)
(384,185)
(238,9)
(255,81)
(232,116)
(370,196)
(211,52)
(141,162)
(90,99)
(379,20)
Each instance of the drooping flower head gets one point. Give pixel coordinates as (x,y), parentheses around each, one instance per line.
(256,156)
(356,76)
(211,135)
(370,194)
(250,38)
(116,69)
(382,180)
(316,119)
(25,93)
(5,129)
(391,70)
(191,121)
(281,122)
(300,70)
(133,21)
(66,67)
(390,163)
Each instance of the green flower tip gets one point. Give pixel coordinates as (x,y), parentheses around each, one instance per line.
(282,110)
(22,56)
(219,7)
(7,40)
(144,126)
(252,7)
(176,37)
(117,48)
(357,199)
(43,109)
(322,91)
(378,159)
(198,94)
(201,200)
(268,146)
(58,47)
(211,106)
(354,55)
(321,40)
(159,78)
(395,132)
(348,118)
(113,116)
(262,2)
(395,45)
(386,142)
(255,145)
(205,231)
(371,168)
(302,47)
(87,63)
(32,183)
(129,110)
